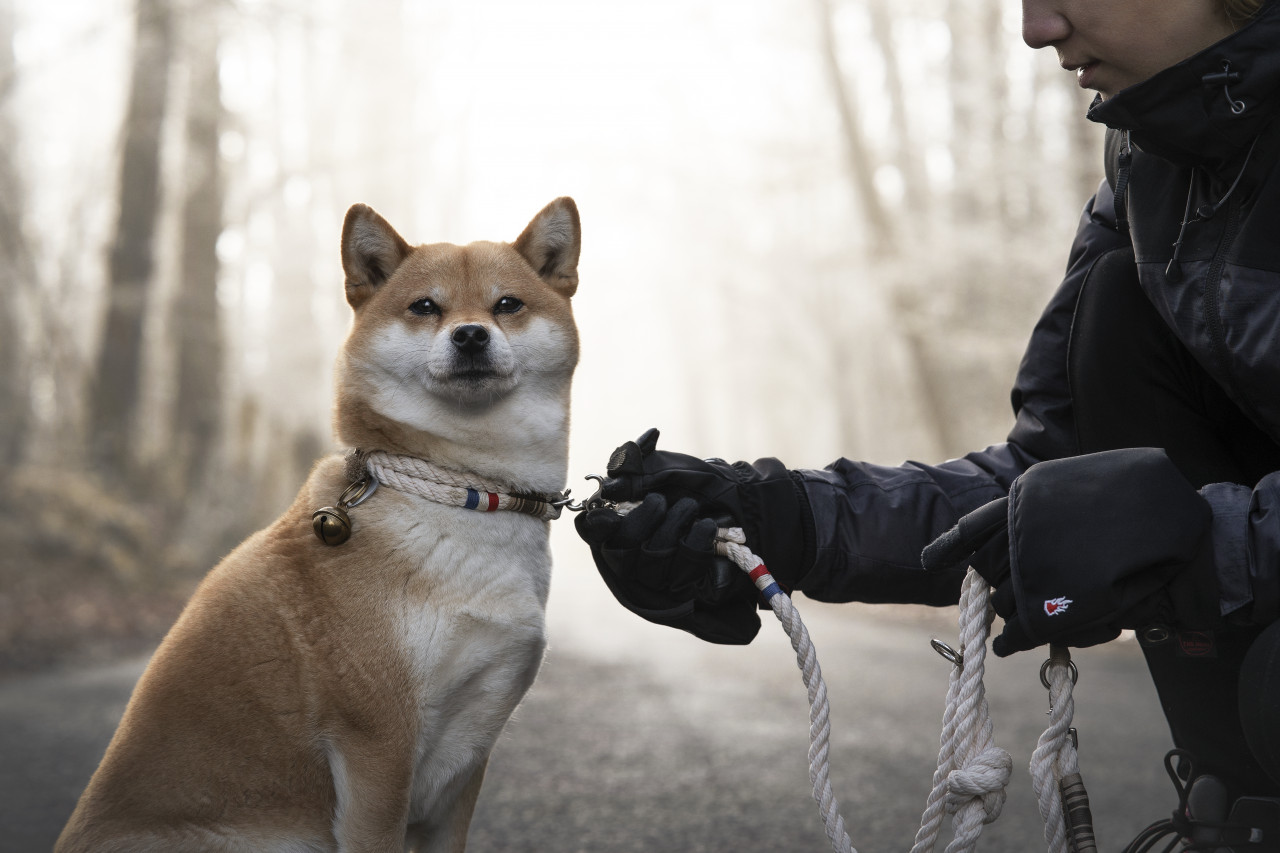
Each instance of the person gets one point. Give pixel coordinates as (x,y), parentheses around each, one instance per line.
(1139,487)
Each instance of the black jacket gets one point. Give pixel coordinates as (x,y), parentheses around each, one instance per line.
(1221,298)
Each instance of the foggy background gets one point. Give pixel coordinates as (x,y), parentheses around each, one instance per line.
(811,229)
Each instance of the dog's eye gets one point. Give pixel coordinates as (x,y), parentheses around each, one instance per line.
(507,305)
(424,307)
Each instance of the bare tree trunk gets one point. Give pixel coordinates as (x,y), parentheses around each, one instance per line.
(906,153)
(909,372)
(17,272)
(195,323)
(861,165)
(968,202)
(116,386)
(995,110)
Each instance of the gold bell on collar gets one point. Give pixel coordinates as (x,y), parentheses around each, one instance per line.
(331,524)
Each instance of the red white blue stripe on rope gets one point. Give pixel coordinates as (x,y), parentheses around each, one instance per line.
(483,501)
(764,581)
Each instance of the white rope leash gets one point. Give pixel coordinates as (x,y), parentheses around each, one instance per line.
(729,543)
(1055,766)
(972,771)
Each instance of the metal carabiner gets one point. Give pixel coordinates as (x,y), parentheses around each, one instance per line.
(596,501)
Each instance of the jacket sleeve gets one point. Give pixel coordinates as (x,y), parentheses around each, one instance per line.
(1246,548)
(871,522)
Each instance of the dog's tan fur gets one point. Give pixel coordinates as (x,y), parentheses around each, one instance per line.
(316,698)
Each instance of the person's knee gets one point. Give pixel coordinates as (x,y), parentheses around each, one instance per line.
(1118,355)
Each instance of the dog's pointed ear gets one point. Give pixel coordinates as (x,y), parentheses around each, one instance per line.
(371,252)
(551,243)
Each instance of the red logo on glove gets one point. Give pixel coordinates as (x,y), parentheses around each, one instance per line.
(1056,606)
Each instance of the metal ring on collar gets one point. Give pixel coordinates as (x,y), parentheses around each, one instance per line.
(358,492)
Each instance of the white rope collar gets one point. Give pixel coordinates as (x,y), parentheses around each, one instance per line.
(416,476)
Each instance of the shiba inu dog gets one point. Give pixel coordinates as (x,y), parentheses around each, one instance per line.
(345,697)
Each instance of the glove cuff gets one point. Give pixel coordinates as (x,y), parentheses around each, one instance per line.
(778,520)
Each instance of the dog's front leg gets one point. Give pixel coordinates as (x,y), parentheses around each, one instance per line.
(448,833)
(372,796)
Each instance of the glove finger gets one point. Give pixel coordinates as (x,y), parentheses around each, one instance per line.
(629,458)
(638,525)
(596,526)
(1004,601)
(717,579)
(1014,638)
(721,581)
(673,525)
(694,560)
(702,536)
(648,441)
(969,533)
(991,559)
(655,566)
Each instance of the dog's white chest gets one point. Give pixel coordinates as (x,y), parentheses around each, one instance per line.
(474,637)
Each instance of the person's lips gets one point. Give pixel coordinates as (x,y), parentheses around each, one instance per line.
(1084,71)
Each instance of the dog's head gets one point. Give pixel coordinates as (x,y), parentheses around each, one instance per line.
(447,340)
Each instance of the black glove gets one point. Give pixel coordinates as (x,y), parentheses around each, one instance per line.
(661,564)
(765,499)
(1085,546)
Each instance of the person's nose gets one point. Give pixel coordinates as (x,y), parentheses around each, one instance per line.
(1043,23)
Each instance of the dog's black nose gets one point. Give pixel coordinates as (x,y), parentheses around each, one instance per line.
(471,338)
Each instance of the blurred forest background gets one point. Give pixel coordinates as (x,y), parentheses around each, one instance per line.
(812,228)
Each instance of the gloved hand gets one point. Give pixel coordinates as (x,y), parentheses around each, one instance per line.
(1087,545)
(764,499)
(660,563)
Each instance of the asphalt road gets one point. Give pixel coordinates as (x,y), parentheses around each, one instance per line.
(636,738)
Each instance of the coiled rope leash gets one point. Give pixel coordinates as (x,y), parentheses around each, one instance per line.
(972,771)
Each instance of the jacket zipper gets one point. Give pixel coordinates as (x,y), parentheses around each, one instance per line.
(1121,191)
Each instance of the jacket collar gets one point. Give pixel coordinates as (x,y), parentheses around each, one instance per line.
(1182,117)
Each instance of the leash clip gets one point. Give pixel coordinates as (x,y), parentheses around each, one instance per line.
(596,501)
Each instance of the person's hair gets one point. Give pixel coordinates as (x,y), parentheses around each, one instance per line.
(1240,11)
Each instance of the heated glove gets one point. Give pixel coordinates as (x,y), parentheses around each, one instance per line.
(765,499)
(660,563)
(659,560)
(1085,546)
